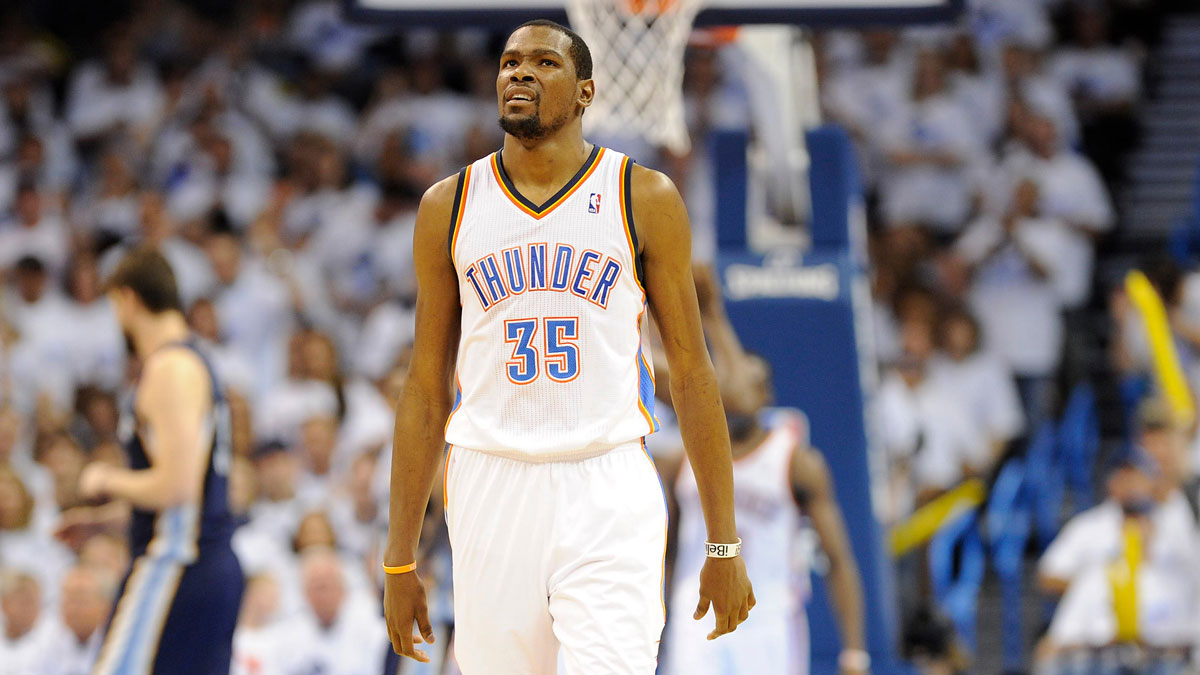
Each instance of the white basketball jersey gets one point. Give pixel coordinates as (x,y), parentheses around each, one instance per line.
(768,522)
(551,363)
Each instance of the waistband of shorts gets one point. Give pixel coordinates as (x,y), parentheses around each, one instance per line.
(580,455)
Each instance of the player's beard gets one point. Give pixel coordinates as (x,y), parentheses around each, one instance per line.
(530,127)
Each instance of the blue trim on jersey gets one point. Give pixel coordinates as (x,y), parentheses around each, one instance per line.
(457,399)
(150,594)
(646,388)
(140,634)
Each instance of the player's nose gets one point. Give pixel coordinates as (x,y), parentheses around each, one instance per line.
(522,73)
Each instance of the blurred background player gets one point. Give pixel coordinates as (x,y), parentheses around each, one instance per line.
(781,485)
(185,584)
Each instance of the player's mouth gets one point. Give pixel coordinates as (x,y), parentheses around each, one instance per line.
(519,95)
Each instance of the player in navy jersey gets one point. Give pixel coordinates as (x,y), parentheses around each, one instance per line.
(179,601)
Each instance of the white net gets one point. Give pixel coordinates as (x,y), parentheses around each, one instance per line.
(637,58)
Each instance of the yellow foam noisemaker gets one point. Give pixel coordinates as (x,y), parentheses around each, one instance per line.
(1167,370)
(927,520)
(1122,576)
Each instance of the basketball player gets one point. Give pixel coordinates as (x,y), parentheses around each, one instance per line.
(534,269)
(778,480)
(179,602)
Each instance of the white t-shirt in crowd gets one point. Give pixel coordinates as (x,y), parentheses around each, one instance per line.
(33,652)
(369,422)
(1020,314)
(1093,537)
(986,386)
(1166,608)
(45,240)
(387,330)
(286,406)
(98,347)
(929,428)
(391,256)
(1104,74)
(435,126)
(69,656)
(354,645)
(255,313)
(259,651)
(95,103)
(926,194)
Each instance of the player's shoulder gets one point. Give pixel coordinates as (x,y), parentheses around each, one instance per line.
(649,184)
(809,469)
(441,194)
(171,369)
(174,361)
(658,209)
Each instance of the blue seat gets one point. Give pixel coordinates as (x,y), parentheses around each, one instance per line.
(1079,444)
(1045,483)
(956,566)
(1009,522)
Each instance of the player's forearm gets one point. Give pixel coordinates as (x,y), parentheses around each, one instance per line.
(846,593)
(147,489)
(416,449)
(706,439)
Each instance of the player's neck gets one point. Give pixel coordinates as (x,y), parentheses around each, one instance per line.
(547,163)
(748,442)
(157,330)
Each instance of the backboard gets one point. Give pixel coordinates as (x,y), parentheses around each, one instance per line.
(507,13)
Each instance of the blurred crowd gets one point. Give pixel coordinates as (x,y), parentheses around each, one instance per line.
(986,215)
(276,154)
(991,153)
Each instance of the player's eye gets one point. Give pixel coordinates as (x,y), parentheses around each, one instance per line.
(548,62)
(510,63)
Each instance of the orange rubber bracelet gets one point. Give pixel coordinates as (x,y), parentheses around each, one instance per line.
(401,569)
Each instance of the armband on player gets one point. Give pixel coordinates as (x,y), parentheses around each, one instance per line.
(723,550)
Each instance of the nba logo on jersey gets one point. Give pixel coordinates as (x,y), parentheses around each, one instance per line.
(594,203)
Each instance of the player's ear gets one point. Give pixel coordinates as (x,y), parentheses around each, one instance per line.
(587,92)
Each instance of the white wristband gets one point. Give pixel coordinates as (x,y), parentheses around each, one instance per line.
(723,550)
(857,660)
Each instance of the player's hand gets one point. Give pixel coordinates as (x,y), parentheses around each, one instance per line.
(77,525)
(93,479)
(725,586)
(404,603)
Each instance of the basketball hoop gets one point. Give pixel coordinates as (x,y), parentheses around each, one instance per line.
(637,63)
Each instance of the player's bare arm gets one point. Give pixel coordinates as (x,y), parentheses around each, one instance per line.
(665,236)
(813,487)
(421,417)
(173,400)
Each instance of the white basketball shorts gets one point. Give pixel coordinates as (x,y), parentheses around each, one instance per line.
(556,555)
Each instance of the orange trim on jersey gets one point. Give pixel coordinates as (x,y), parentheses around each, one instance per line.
(546,209)
(460,206)
(458,390)
(645,413)
(446,482)
(626,210)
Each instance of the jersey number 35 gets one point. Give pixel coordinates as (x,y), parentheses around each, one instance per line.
(559,355)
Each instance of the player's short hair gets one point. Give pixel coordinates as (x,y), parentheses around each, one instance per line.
(579,52)
(147,273)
